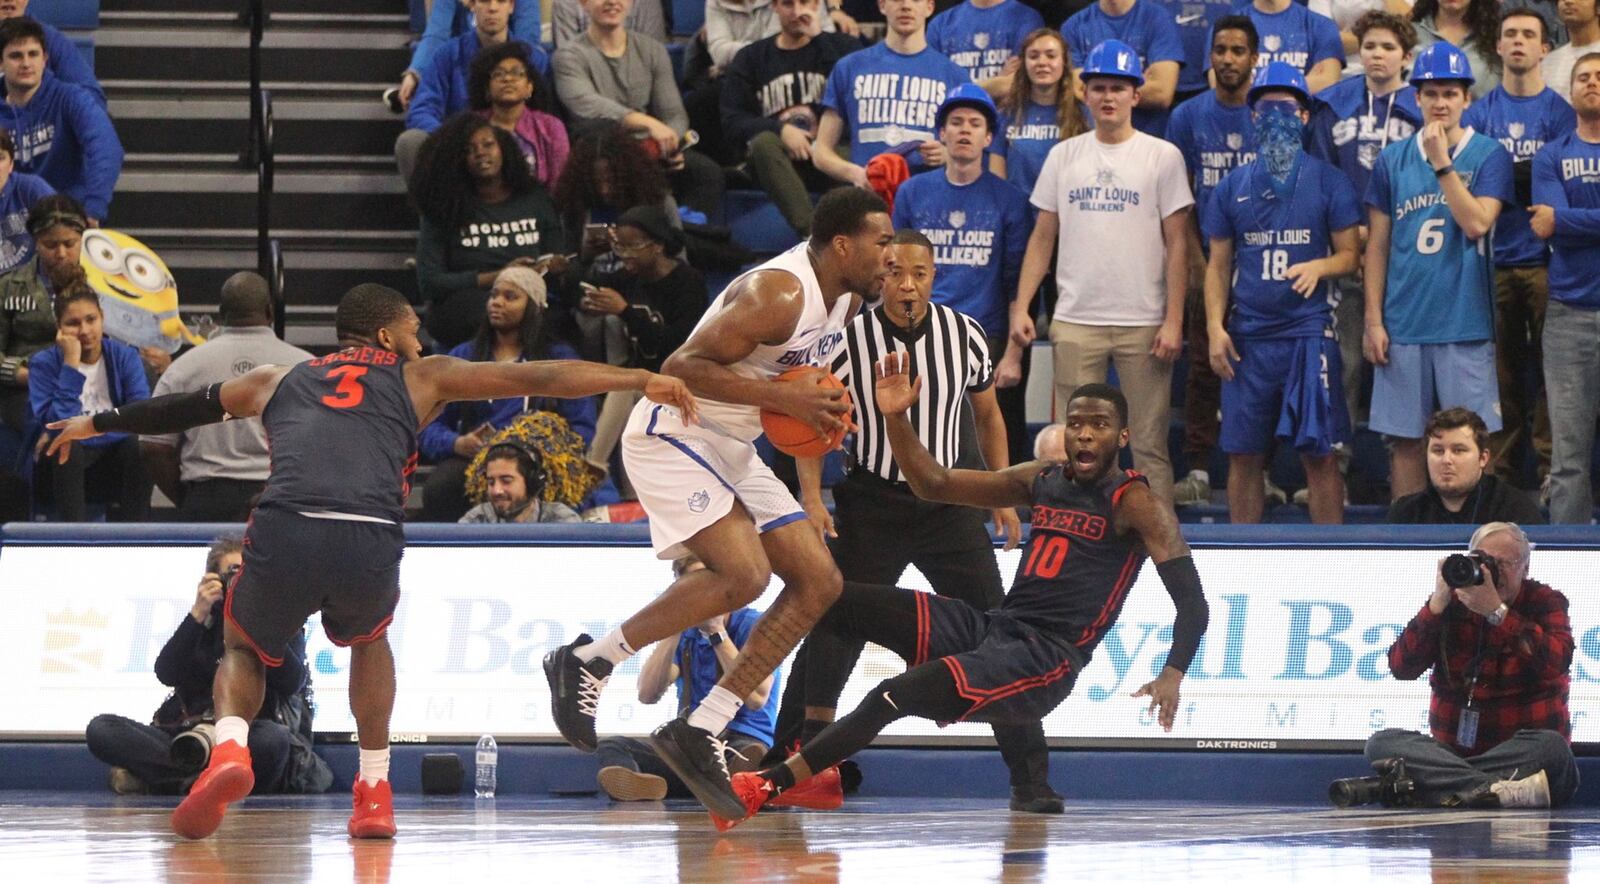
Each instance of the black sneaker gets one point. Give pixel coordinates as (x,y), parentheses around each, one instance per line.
(1037,799)
(701,761)
(575,689)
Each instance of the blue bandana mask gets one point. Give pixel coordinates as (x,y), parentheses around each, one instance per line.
(1280,137)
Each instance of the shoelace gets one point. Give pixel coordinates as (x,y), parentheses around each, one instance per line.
(589,689)
(720,750)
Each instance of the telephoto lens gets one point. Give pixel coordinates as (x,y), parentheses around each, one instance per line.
(1462,569)
(191,750)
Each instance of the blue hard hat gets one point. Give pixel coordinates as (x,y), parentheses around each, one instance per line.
(1280,75)
(1441,61)
(1113,58)
(968,95)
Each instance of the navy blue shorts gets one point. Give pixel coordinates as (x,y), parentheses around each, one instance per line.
(1287,389)
(295,566)
(1009,672)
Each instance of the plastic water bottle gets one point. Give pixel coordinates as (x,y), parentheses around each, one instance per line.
(488,761)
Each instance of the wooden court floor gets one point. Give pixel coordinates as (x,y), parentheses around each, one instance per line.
(56,838)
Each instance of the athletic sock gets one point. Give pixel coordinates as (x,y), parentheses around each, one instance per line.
(810,728)
(1202,475)
(781,777)
(374,765)
(611,647)
(715,711)
(232,727)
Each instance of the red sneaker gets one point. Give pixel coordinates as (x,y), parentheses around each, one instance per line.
(753,790)
(372,815)
(226,779)
(822,791)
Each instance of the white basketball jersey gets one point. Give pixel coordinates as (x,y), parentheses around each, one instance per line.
(818,333)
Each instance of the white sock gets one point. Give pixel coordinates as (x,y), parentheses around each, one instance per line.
(374,765)
(232,727)
(611,646)
(715,711)
(1202,475)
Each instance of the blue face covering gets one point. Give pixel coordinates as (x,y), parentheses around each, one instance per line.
(1280,137)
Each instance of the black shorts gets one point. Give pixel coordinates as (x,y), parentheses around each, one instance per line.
(1010,672)
(295,566)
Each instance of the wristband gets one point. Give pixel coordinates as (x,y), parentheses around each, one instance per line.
(1447,169)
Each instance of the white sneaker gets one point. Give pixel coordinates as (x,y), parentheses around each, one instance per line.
(1191,490)
(1544,492)
(1274,494)
(1531,791)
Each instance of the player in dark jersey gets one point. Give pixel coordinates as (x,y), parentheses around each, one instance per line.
(1093,527)
(326,534)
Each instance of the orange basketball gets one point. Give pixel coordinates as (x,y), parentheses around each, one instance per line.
(789,435)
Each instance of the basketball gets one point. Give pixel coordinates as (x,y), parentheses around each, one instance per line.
(793,437)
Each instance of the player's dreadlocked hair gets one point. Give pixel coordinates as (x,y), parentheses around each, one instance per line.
(365,309)
(568,476)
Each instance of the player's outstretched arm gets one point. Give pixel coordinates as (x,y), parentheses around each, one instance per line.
(1141,512)
(928,479)
(451,380)
(244,396)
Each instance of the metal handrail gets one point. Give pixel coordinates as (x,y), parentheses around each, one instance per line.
(259,153)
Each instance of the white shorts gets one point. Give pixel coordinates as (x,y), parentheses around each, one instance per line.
(687,477)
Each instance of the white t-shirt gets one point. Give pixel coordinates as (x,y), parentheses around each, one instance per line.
(1557,67)
(96,396)
(1111,198)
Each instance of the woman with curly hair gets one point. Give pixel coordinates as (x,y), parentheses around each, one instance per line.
(506,89)
(1039,111)
(1473,26)
(481,212)
(609,173)
(512,328)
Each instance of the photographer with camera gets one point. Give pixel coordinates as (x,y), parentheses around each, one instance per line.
(1500,647)
(165,756)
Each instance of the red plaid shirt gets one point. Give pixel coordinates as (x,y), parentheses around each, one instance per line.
(1522,680)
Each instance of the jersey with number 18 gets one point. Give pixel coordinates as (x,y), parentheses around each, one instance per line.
(1440,284)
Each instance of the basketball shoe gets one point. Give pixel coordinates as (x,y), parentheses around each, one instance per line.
(575,688)
(226,779)
(372,814)
(752,791)
(701,761)
(822,791)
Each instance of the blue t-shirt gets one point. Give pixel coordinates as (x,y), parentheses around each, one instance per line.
(20,193)
(1351,126)
(888,99)
(702,673)
(1214,140)
(1566,177)
(979,233)
(1270,235)
(1147,27)
(1296,35)
(1440,285)
(1193,19)
(1522,126)
(982,40)
(1025,141)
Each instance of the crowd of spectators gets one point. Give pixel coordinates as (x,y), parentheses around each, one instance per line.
(564,186)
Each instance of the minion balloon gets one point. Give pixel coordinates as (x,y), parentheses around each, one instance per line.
(137,293)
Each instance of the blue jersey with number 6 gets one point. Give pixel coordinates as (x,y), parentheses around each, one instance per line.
(1440,284)
(1270,234)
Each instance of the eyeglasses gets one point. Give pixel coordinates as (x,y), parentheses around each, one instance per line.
(627,250)
(509,74)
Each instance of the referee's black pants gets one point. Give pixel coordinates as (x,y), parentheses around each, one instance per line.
(883,527)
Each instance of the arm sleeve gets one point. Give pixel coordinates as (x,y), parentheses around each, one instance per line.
(666,102)
(525,23)
(441,22)
(577,89)
(1193,614)
(68,64)
(1377,195)
(1164,42)
(980,368)
(1044,187)
(1415,650)
(426,111)
(172,413)
(1494,178)
(1214,220)
(721,42)
(741,109)
(836,95)
(54,389)
(135,383)
(434,278)
(1543,637)
(565,21)
(649,19)
(1325,42)
(184,661)
(1574,227)
(100,153)
(1175,194)
(437,440)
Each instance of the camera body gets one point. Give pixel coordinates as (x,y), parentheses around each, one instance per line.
(191,749)
(1392,787)
(1468,569)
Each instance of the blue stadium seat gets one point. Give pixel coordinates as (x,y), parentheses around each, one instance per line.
(675,52)
(67,15)
(756,222)
(688,16)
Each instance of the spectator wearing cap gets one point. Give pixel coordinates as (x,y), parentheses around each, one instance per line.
(639,313)
(978,223)
(1147,30)
(508,91)
(18,191)
(61,131)
(481,211)
(1270,299)
(513,328)
(1117,201)
(27,323)
(213,472)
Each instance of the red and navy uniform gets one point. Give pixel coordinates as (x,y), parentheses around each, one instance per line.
(1522,676)
(326,533)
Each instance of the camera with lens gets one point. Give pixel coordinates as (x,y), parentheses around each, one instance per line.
(1391,787)
(1468,569)
(191,749)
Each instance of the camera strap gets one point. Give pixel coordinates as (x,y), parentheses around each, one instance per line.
(1467,724)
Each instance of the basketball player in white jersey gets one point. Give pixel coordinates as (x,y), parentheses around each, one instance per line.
(707,492)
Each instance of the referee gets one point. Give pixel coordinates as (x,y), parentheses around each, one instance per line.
(883,527)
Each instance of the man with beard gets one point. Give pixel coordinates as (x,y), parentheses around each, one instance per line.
(514,475)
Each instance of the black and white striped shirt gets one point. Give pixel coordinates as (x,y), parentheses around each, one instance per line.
(951,355)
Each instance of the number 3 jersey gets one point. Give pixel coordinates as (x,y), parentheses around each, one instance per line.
(1271,233)
(343,436)
(1440,284)
(1076,571)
